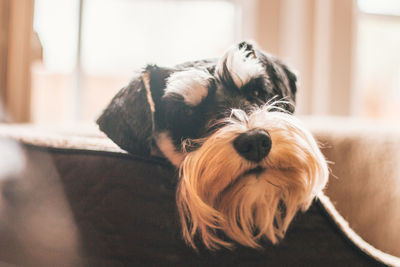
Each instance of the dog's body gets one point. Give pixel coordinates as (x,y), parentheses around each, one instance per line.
(246,165)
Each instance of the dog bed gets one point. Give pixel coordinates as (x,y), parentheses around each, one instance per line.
(123,211)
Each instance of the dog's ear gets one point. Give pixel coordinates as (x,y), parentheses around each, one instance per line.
(285,83)
(292,77)
(129,119)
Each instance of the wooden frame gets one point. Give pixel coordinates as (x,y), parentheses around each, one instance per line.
(3,53)
(16,26)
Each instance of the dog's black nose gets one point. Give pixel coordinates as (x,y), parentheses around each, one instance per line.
(253,145)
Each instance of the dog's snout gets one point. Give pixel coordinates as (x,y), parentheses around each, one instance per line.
(253,145)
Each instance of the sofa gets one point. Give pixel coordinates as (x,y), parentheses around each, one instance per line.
(70,197)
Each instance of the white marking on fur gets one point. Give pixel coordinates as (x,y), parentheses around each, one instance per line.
(166,145)
(242,67)
(146,82)
(150,101)
(216,191)
(191,84)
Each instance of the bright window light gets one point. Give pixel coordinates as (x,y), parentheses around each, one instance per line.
(118,37)
(56,22)
(123,35)
(383,7)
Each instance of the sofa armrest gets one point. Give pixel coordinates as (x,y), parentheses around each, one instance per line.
(365,175)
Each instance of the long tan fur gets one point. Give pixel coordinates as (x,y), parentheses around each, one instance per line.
(216,191)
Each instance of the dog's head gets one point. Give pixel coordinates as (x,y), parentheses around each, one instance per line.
(246,164)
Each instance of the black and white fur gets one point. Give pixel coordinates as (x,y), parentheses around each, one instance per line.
(246,164)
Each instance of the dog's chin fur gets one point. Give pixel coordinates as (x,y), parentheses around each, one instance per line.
(221,191)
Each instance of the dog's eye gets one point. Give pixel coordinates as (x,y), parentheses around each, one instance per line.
(256,93)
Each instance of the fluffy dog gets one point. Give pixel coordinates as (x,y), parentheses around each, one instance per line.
(246,164)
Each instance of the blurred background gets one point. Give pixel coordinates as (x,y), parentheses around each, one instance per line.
(61,61)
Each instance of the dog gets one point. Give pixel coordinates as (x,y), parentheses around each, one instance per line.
(246,164)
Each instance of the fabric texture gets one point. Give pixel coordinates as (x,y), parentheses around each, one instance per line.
(125,214)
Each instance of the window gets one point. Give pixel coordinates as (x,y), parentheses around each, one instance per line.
(377,83)
(76,79)
(346,52)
